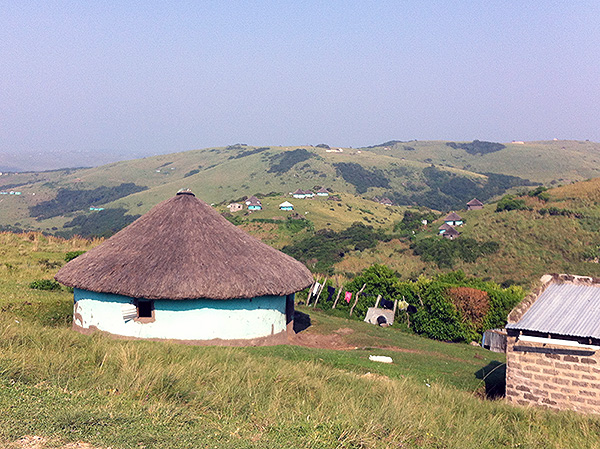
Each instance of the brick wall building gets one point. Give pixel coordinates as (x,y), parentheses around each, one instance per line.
(553,346)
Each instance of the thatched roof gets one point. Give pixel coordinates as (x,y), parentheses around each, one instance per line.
(451,233)
(453,216)
(445,227)
(184,249)
(474,202)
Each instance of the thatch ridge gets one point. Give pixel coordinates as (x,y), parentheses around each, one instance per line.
(184,249)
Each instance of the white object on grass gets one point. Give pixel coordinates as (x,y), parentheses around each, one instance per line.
(380,358)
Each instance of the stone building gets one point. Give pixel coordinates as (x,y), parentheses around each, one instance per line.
(553,345)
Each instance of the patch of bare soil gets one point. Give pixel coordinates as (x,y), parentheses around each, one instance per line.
(333,341)
(37,442)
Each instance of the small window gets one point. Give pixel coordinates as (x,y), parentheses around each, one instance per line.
(145,310)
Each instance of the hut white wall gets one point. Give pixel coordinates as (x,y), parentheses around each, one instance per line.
(193,319)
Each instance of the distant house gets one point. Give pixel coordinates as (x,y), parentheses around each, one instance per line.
(322,192)
(234,207)
(474,204)
(252,199)
(308,193)
(299,194)
(93,208)
(286,205)
(553,345)
(254,204)
(443,228)
(386,201)
(451,233)
(453,219)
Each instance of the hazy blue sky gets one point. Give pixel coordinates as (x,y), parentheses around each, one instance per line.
(152,77)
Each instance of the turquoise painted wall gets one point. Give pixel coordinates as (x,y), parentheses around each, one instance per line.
(192,319)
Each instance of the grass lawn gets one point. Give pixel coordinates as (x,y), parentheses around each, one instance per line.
(66,387)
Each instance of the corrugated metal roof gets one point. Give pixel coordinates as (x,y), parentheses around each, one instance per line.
(564,309)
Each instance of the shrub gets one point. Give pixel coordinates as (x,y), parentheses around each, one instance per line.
(413,221)
(509,202)
(191,173)
(72,255)
(326,247)
(44,284)
(444,252)
(473,304)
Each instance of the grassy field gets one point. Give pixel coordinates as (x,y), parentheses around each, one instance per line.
(67,387)
(217,174)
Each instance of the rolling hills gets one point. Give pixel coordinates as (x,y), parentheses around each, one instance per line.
(438,175)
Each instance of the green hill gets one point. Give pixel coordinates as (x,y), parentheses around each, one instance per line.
(560,234)
(439,175)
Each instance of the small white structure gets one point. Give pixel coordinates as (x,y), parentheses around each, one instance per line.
(453,219)
(286,205)
(299,194)
(235,207)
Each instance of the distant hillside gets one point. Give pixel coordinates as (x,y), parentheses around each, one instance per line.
(555,231)
(437,175)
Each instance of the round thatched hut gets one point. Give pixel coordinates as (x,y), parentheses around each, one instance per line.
(183,272)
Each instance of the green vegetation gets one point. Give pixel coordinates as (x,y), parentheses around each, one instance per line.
(72,255)
(98,224)
(249,152)
(445,252)
(413,222)
(360,177)
(67,387)
(191,173)
(447,190)
(45,284)
(326,247)
(283,162)
(477,147)
(69,200)
(449,307)
(510,202)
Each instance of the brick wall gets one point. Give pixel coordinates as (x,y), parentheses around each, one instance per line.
(558,377)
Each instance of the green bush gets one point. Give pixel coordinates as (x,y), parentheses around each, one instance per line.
(509,202)
(44,284)
(326,247)
(413,221)
(445,309)
(72,255)
(445,252)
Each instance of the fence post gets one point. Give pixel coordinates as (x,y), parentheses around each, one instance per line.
(319,294)
(356,299)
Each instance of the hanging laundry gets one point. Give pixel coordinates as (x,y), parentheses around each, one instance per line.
(385,304)
(330,291)
(316,288)
(348,297)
